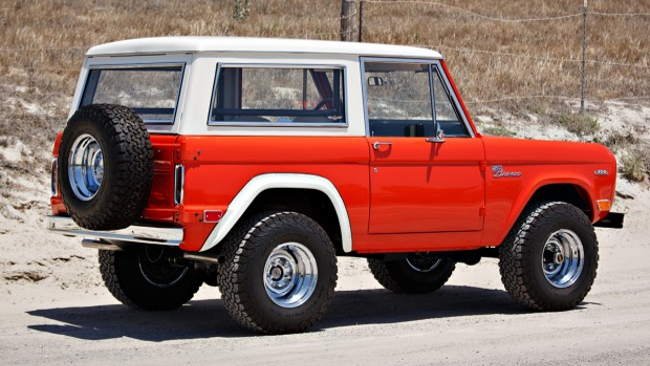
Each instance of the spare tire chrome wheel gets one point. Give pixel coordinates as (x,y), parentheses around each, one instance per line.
(86,167)
(105,168)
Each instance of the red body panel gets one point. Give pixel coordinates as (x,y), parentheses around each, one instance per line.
(541,163)
(217,168)
(412,181)
(423,197)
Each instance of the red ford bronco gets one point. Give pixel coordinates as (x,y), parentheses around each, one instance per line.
(251,164)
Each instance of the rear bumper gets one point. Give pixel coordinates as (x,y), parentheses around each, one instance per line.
(613,220)
(132,234)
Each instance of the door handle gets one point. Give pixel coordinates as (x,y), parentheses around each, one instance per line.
(377,144)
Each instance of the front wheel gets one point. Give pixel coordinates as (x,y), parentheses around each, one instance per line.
(419,273)
(279,274)
(549,259)
(143,277)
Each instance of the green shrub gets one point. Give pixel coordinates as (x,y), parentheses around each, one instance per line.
(580,124)
(498,131)
(634,167)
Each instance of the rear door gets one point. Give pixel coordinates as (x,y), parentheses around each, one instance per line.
(420,181)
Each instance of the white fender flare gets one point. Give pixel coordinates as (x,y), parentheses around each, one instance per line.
(260,183)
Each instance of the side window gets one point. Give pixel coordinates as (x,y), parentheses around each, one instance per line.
(152,91)
(278,95)
(446,113)
(398,99)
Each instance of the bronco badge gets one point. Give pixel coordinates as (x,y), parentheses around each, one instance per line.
(498,172)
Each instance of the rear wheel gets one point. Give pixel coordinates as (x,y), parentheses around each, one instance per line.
(417,274)
(280,273)
(549,259)
(144,277)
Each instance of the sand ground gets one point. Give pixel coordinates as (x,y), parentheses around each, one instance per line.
(54,310)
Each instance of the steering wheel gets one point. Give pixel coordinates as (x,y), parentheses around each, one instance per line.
(322,103)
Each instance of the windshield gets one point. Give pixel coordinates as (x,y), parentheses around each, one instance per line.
(152,91)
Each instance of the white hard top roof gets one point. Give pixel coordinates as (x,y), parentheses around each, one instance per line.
(165,45)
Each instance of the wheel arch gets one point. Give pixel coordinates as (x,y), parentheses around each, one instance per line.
(304,193)
(575,193)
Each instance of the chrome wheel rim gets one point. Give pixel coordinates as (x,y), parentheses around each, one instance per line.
(86,167)
(563,258)
(423,262)
(290,275)
(156,269)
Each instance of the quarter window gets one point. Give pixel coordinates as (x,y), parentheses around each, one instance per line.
(446,113)
(152,92)
(278,96)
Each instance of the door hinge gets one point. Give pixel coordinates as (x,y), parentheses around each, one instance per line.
(482,165)
(481,211)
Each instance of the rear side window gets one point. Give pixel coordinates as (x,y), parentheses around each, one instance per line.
(152,92)
(278,96)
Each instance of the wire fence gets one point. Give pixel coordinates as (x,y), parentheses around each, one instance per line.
(559,17)
(444,47)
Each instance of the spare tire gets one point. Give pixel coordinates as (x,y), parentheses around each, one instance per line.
(105,167)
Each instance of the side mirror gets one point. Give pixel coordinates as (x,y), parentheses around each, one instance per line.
(439,138)
(376,81)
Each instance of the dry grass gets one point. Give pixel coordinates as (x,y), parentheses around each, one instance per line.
(43,42)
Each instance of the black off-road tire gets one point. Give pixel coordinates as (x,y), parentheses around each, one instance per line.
(398,276)
(241,282)
(520,257)
(137,281)
(128,167)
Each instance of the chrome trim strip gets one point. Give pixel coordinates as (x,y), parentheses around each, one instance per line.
(133,234)
(179,192)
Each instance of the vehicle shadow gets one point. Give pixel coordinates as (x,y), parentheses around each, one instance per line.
(208,318)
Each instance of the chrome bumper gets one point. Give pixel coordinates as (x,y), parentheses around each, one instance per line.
(133,234)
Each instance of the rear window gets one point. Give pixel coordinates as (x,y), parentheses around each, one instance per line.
(152,91)
(276,96)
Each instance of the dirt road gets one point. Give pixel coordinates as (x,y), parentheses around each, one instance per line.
(55,311)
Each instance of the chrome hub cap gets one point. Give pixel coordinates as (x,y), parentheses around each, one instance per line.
(423,262)
(563,258)
(290,275)
(86,167)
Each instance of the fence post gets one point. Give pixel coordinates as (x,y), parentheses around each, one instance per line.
(361,20)
(347,26)
(584,61)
